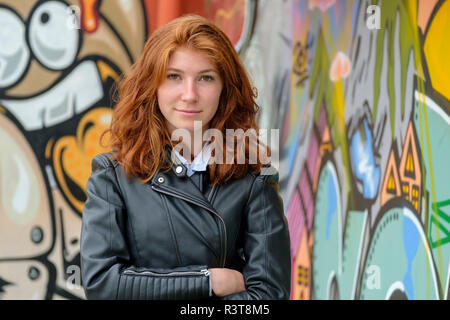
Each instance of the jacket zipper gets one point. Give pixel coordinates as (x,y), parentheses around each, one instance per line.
(206,208)
(204,272)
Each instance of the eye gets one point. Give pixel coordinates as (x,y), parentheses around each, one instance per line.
(173,76)
(14,53)
(54,41)
(207,78)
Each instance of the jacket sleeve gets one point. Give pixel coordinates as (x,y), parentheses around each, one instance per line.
(266,245)
(106,270)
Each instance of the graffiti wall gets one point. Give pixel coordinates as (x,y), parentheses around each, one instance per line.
(359,90)
(56,76)
(59,63)
(365,149)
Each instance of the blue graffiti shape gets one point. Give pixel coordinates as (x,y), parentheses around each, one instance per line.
(411,238)
(332,202)
(364,164)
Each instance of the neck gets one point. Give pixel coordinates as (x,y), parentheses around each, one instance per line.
(192,147)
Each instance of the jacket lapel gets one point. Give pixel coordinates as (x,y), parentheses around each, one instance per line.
(177,181)
(173,183)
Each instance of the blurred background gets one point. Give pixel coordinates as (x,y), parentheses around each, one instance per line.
(360,93)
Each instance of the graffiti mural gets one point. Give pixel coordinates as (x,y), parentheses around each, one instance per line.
(59,61)
(368,185)
(234,17)
(358,88)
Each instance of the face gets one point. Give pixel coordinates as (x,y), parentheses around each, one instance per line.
(190,90)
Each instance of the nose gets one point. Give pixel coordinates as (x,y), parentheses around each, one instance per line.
(189,91)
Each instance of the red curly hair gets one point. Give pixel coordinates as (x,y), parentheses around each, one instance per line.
(138,133)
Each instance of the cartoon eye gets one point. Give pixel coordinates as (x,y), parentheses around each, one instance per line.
(14,52)
(53,38)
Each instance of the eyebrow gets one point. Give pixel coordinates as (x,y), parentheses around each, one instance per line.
(181,71)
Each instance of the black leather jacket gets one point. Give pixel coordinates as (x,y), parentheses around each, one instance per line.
(157,240)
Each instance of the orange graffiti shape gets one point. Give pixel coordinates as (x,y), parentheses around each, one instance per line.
(72,156)
(231,20)
(89,15)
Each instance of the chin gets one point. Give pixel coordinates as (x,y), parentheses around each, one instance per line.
(188,125)
(184,126)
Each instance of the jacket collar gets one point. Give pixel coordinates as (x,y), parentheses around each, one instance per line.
(200,161)
(178,183)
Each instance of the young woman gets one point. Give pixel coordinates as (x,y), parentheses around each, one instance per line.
(169,222)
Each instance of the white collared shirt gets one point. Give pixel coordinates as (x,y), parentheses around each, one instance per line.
(200,161)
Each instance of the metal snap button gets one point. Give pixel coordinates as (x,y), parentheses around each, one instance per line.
(179,169)
(160,179)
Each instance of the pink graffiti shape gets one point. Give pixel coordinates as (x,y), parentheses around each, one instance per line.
(323,5)
(340,67)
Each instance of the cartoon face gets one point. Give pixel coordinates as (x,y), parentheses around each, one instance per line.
(59,63)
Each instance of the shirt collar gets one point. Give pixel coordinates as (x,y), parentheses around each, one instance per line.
(199,163)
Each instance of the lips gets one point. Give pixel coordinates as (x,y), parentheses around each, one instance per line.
(188,112)
(76,93)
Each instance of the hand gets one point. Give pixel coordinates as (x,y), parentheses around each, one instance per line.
(226,281)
